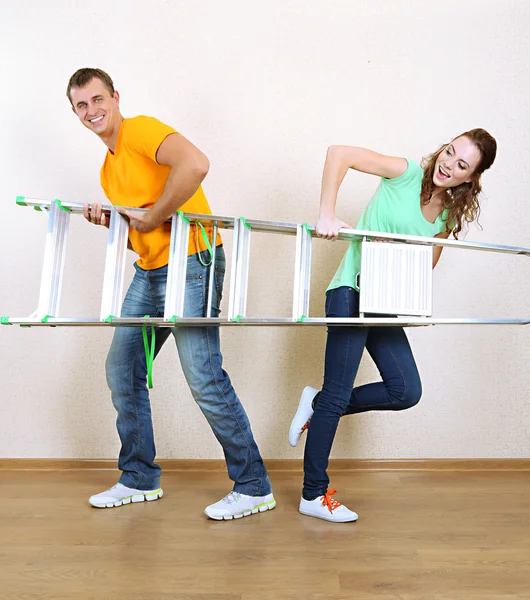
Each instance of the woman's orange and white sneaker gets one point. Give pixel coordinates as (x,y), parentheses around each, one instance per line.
(327,508)
(303,415)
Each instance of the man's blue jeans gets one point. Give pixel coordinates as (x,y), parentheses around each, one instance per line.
(201,360)
(399,389)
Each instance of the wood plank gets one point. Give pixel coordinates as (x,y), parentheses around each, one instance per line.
(421,535)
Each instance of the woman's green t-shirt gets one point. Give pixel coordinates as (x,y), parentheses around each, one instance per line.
(394,208)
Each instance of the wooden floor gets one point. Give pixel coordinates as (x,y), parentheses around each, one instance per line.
(420,536)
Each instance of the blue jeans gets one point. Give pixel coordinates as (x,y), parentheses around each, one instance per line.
(201,360)
(399,389)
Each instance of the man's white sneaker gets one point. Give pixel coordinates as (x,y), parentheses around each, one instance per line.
(303,415)
(235,506)
(120,494)
(325,507)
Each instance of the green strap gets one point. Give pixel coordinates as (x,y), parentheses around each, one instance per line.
(45,319)
(4,321)
(20,200)
(244,221)
(181,214)
(109,319)
(204,236)
(306,227)
(206,241)
(149,352)
(300,320)
(60,205)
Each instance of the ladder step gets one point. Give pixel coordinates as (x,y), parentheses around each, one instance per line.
(177,265)
(302,272)
(237,306)
(54,259)
(114,266)
(212,273)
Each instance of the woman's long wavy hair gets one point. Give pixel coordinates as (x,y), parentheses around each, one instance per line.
(461,202)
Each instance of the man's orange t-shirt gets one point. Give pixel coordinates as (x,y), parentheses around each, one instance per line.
(132,177)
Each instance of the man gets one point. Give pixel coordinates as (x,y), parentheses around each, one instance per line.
(149,165)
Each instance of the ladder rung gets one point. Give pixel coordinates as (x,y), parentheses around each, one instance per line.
(240,266)
(302,272)
(54,259)
(114,266)
(212,272)
(176,270)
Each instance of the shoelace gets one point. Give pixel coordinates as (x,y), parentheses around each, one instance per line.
(231,498)
(330,502)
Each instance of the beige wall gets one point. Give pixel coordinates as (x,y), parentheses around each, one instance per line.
(263,89)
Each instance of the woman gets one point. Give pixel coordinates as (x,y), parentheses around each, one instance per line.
(433,201)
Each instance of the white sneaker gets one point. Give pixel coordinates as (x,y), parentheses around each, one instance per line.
(303,415)
(325,507)
(235,506)
(120,494)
